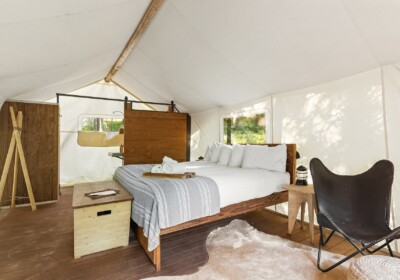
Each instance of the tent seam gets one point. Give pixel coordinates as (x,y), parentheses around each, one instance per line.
(360,34)
(60,84)
(217,51)
(165,72)
(146,86)
(63,65)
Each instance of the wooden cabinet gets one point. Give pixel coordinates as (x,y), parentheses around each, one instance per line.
(40,141)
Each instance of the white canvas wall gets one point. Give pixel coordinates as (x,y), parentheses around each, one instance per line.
(204,130)
(391,86)
(342,123)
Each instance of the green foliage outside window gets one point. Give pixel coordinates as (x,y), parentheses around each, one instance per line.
(245,130)
(101,124)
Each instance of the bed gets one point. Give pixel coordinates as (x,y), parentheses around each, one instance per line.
(264,189)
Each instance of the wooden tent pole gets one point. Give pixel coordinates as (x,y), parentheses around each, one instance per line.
(134,40)
(14,187)
(17,135)
(7,166)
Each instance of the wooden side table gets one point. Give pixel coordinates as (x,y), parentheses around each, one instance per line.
(298,197)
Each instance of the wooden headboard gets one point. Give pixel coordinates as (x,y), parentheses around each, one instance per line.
(291,160)
(151,135)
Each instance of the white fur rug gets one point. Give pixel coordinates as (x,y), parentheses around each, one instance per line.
(239,251)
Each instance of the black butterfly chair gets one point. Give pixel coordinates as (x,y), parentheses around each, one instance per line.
(356,206)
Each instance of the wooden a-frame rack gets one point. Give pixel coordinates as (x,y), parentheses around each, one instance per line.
(16,145)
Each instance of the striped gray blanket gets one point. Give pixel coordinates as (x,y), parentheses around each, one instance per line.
(162,202)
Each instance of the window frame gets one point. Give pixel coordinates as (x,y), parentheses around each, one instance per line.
(98,116)
(241,113)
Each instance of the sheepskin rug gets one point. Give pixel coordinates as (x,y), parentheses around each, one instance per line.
(239,251)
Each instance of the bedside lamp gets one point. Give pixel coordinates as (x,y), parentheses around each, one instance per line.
(301,176)
(301,173)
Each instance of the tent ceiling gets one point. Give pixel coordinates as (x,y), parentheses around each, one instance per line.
(47,44)
(209,53)
(200,53)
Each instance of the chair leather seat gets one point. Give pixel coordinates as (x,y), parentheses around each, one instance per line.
(364,233)
(359,233)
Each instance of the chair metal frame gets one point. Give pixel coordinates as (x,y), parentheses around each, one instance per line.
(358,250)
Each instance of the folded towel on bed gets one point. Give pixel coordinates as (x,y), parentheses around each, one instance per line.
(168,166)
(168,160)
(157,169)
(173,168)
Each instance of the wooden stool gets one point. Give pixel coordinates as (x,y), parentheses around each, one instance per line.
(298,197)
(374,267)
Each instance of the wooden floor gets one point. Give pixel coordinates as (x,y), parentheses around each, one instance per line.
(39,245)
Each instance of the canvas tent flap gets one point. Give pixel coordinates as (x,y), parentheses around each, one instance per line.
(90,161)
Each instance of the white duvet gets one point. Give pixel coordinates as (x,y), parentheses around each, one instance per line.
(237,184)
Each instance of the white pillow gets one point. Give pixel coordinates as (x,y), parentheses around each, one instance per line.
(264,157)
(207,155)
(225,154)
(237,156)
(215,153)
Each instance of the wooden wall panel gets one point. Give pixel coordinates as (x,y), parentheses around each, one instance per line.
(149,136)
(40,141)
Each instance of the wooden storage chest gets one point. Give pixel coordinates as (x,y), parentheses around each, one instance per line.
(103,223)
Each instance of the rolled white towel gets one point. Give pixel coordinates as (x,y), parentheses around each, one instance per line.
(168,160)
(167,168)
(157,169)
(173,168)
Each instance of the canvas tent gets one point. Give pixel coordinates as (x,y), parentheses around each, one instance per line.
(327,72)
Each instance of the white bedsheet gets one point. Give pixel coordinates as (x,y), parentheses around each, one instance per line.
(237,184)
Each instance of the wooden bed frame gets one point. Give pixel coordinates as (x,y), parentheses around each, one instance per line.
(226,212)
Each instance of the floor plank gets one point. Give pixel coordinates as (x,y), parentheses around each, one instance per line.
(39,245)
